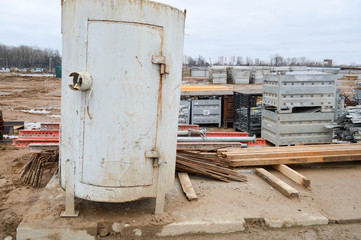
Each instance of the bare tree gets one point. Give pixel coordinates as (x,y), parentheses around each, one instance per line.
(28,57)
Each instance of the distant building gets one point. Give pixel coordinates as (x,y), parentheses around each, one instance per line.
(327,63)
(221,60)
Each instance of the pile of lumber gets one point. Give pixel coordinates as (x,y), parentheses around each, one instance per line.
(290,155)
(347,128)
(208,165)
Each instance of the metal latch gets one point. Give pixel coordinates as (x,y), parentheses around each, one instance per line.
(161,61)
(155,155)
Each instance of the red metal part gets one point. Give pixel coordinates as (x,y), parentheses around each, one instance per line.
(226,134)
(34,134)
(50,126)
(187,127)
(259,142)
(24,142)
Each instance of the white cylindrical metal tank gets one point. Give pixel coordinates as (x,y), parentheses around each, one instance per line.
(119,108)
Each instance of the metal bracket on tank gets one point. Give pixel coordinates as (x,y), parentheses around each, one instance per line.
(155,155)
(161,61)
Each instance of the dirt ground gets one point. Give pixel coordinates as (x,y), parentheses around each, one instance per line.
(21,95)
(30,98)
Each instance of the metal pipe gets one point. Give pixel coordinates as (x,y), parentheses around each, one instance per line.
(191,131)
(217,139)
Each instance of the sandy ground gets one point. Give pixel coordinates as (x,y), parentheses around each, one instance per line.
(19,94)
(40,93)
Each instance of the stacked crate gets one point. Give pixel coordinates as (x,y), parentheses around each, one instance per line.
(184,112)
(258,73)
(240,75)
(247,112)
(297,107)
(218,75)
(207,111)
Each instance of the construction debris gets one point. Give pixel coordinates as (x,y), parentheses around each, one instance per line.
(187,187)
(281,186)
(208,165)
(32,172)
(347,128)
(293,175)
(291,155)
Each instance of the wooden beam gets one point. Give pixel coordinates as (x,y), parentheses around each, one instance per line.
(298,153)
(294,160)
(293,175)
(187,186)
(281,186)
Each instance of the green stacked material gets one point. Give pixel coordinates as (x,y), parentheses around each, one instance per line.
(1,125)
(58,71)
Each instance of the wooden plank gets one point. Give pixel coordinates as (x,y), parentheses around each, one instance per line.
(290,149)
(294,160)
(187,186)
(281,186)
(293,175)
(293,154)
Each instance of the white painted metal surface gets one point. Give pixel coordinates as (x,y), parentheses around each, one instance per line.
(111,132)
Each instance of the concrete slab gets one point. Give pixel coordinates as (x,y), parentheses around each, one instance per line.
(221,208)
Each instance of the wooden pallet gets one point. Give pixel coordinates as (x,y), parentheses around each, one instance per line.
(236,157)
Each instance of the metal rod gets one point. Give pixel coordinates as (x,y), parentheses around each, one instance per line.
(192,132)
(217,139)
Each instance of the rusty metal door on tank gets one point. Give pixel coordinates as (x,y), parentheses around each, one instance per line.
(121,96)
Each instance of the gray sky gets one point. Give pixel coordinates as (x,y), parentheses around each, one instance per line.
(316,29)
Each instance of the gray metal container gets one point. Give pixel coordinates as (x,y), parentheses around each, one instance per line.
(300,89)
(207,111)
(296,128)
(184,112)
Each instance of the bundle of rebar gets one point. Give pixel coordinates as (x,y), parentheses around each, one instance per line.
(32,172)
(208,165)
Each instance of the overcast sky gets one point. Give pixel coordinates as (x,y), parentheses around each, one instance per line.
(316,29)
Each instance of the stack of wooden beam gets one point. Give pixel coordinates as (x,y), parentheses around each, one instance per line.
(206,165)
(348,127)
(291,155)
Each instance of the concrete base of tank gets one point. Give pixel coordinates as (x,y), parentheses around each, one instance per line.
(221,208)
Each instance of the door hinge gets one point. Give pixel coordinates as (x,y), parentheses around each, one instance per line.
(155,155)
(161,61)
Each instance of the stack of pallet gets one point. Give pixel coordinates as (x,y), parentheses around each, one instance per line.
(297,106)
(240,75)
(348,127)
(218,75)
(258,73)
(290,155)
